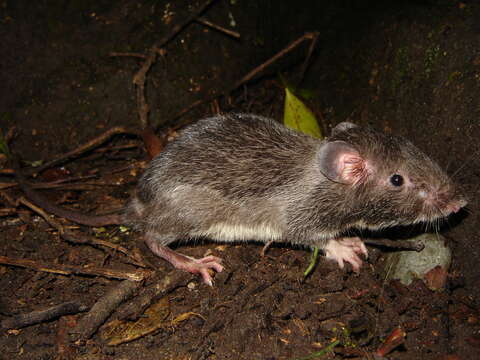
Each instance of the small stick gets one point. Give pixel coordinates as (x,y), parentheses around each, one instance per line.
(396,338)
(7,211)
(43,214)
(396,244)
(83,148)
(263,252)
(138,275)
(7,172)
(228,32)
(158,289)
(179,27)
(7,185)
(307,36)
(36,317)
(313,43)
(102,309)
(59,184)
(140,77)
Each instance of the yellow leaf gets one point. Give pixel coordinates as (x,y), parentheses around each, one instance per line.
(298,117)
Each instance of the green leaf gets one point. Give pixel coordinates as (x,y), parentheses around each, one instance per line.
(313,262)
(298,117)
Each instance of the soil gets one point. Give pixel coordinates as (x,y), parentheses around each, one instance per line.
(411,69)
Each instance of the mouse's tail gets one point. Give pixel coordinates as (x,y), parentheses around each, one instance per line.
(40,200)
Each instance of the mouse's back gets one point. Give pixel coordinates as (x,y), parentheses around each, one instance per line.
(239,155)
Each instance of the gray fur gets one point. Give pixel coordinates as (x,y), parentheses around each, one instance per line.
(246,177)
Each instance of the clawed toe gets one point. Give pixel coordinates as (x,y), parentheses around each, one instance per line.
(346,250)
(212,262)
(187,263)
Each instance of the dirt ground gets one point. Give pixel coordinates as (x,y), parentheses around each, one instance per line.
(412,69)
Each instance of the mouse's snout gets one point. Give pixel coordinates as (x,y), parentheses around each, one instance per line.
(445,200)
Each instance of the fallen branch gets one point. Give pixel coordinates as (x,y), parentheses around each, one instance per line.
(209,24)
(102,309)
(138,275)
(83,148)
(39,316)
(161,287)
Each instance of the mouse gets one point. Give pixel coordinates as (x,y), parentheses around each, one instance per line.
(245,177)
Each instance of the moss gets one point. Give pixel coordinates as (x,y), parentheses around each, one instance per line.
(401,67)
(431,56)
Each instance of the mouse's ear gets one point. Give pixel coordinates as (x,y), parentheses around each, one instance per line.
(343,126)
(340,162)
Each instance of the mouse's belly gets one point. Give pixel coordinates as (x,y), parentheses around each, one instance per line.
(242,232)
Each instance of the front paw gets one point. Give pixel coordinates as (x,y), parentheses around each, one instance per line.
(346,250)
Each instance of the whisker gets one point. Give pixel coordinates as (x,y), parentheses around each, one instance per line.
(464,163)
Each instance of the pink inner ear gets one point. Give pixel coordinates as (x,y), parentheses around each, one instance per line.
(352,168)
(339,161)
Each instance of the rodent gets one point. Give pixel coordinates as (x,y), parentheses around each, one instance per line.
(241,177)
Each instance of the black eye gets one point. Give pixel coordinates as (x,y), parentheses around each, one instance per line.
(396,180)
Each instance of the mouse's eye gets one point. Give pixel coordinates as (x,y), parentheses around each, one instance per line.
(396,180)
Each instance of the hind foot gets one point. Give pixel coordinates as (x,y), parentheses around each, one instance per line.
(187,263)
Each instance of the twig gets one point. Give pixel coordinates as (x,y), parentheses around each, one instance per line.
(64,184)
(396,244)
(228,32)
(179,27)
(7,172)
(102,309)
(307,36)
(396,338)
(140,77)
(7,185)
(35,317)
(306,63)
(138,275)
(157,290)
(83,148)
(7,211)
(43,214)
